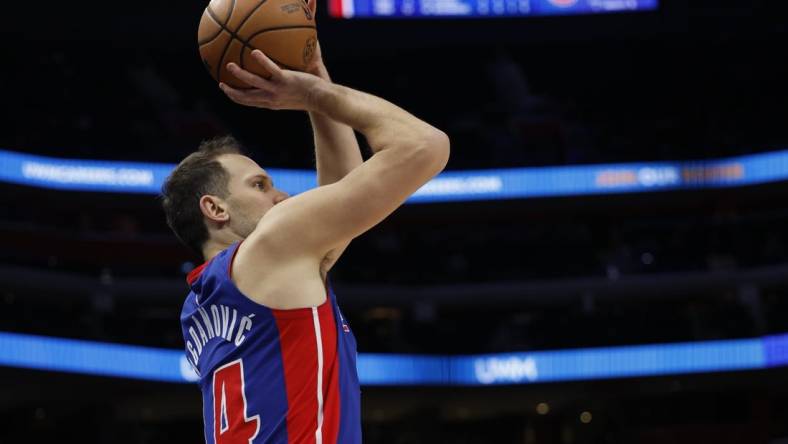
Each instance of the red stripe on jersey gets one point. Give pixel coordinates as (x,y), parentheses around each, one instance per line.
(195,274)
(298,342)
(328,327)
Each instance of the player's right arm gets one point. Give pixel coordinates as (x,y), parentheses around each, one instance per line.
(407,153)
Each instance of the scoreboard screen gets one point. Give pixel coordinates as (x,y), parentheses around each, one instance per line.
(480,8)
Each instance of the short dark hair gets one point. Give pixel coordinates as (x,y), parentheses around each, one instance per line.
(197,175)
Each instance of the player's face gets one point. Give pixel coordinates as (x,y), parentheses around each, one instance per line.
(251,193)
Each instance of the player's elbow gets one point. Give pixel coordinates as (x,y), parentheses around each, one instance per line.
(436,147)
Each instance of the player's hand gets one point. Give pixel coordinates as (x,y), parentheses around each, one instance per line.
(285,89)
(316,65)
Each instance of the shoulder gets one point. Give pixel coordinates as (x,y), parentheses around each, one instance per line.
(270,275)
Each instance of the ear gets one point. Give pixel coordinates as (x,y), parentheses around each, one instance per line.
(214,209)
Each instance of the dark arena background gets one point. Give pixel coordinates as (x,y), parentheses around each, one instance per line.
(603,261)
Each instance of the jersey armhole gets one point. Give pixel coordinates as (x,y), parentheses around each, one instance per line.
(288,313)
(232,259)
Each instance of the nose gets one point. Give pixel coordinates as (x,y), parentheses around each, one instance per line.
(280,197)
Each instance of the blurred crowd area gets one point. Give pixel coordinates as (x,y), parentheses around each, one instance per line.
(503,106)
(417,324)
(551,103)
(457,278)
(444,279)
(450,318)
(483,242)
(682,410)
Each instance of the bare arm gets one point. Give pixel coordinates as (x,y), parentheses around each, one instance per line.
(296,234)
(336,152)
(408,152)
(336,148)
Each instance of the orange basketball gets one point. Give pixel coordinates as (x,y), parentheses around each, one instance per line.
(231,29)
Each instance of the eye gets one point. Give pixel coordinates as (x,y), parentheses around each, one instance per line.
(260,185)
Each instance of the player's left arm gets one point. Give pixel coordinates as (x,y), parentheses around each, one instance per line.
(336,149)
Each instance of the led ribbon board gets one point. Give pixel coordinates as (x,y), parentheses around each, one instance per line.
(105,359)
(450,186)
(481,8)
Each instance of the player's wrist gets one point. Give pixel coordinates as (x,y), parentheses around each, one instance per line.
(319,69)
(317,94)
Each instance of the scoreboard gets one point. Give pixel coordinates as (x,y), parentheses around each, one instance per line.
(480,8)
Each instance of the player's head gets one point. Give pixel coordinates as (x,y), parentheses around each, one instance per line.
(217,193)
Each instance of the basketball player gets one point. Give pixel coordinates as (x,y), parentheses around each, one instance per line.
(276,359)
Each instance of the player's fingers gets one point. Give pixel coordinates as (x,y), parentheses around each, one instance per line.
(267,63)
(236,95)
(248,77)
(256,98)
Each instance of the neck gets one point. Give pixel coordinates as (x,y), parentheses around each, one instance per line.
(215,246)
(208,252)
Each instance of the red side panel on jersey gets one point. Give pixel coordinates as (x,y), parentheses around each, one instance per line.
(296,339)
(310,412)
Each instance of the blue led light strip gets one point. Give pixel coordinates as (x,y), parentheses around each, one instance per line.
(450,186)
(104,359)
(93,358)
(481,8)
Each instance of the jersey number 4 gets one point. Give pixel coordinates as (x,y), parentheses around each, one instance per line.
(230,423)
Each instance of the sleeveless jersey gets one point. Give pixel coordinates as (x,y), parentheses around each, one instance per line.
(269,376)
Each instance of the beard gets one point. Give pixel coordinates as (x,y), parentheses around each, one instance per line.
(243,221)
(244,226)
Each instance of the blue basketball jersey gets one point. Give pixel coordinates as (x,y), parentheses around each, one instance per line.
(269,376)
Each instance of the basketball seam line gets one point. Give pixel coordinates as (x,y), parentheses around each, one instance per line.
(214,37)
(246,44)
(232,8)
(229,15)
(279,28)
(233,33)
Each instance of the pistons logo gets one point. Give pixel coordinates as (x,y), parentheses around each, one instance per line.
(563,3)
